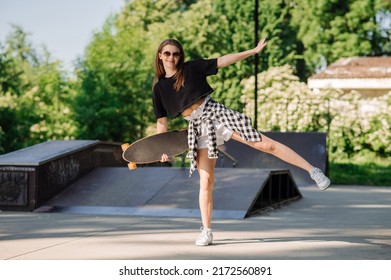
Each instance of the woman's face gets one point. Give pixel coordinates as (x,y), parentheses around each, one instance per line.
(170,56)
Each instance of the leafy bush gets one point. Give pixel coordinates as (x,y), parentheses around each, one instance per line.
(353,124)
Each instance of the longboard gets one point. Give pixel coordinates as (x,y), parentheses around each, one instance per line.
(150,149)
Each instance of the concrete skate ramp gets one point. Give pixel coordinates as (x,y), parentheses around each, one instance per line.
(238,193)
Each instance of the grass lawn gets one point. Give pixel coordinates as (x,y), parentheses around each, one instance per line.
(374,173)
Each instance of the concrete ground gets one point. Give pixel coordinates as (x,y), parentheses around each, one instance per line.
(342,223)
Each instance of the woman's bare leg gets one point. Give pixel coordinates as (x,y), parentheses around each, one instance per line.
(286,154)
(206,169)
(277,149)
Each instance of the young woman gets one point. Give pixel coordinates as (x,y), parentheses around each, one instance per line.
(181,88)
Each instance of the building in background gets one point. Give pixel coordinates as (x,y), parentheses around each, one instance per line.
(370,76)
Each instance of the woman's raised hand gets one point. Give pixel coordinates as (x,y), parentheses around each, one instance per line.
(260,46)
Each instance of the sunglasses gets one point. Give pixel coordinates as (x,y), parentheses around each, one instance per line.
(174,54)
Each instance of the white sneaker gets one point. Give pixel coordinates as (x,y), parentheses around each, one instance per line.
(321,180)
(205,238)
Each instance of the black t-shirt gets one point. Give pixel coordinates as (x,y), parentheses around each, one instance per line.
(168,102)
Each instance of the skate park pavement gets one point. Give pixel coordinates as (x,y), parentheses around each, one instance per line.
(341,223)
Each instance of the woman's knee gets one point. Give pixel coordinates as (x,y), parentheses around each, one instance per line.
(205,170)
(206,182)
(267,146)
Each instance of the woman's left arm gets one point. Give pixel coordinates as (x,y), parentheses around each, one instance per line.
(229,59)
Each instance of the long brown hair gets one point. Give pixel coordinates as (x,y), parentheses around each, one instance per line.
(159,68)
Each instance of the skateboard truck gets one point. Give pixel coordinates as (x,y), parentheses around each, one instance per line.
(131,165)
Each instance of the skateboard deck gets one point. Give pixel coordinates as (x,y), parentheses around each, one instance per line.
(150,149)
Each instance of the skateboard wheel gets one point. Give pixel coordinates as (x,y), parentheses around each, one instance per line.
(124,146)
(132,165)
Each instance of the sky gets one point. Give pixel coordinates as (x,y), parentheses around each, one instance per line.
(65,27)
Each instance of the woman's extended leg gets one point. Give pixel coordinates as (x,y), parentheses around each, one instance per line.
(286,154)
(206,169)
(277,149)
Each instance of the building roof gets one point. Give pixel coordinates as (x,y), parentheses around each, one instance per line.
(371,76)
(357,68)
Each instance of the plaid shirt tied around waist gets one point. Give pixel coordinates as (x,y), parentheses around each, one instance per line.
(214,111)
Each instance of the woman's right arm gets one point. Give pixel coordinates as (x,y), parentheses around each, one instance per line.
(161,125)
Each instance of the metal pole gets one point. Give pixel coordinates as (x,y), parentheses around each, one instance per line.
(256,39)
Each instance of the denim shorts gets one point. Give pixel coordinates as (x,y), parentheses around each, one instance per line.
(223,133)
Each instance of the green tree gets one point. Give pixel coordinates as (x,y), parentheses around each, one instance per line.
(214,28)
(114,100)
(330,30)
(34,95)
(109,108)
(9,90)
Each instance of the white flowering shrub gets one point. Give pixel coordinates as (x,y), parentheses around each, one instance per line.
(351,123)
